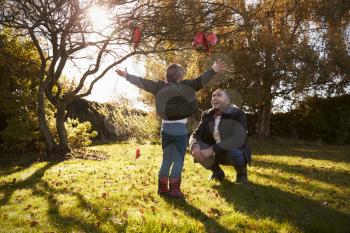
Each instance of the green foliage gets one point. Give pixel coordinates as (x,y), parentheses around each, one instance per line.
(275,49)
(79,134)
(21,135)
(132,125)
(18,86)
(325,119)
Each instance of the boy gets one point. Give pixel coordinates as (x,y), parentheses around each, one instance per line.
(175,100)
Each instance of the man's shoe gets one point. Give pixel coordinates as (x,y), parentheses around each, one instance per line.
(242,175)
(218,175)
(242,180)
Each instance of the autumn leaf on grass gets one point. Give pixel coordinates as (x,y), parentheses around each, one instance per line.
(33,223)
(27,207)
(215,212)
(125,214)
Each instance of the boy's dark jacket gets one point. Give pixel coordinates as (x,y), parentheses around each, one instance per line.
(174,100)
(232,130)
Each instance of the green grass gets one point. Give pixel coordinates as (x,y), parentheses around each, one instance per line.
(293,189)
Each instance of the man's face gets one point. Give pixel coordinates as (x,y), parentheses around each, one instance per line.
(219,100)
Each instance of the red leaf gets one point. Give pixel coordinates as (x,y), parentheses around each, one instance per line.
(136,38)
(212,38)
(138,153)
(198,39)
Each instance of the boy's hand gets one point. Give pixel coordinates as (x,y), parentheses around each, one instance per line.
(122,73)
(219,66)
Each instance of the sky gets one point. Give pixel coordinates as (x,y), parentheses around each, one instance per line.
(111,86)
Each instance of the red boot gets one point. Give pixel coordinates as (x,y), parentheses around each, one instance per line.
(163,185)
(174,188)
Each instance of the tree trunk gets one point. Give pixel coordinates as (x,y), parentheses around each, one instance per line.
(265,107)
(51,145)
(263,123)
(61,130)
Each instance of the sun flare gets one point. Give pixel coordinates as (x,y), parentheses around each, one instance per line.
(99,17)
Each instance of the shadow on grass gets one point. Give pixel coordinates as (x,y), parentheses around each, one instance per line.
(340,178)
(70,223)
(41,188)
(302,184)
(330,153)
(210,224)
(12,163)
(261,201)
(9,188)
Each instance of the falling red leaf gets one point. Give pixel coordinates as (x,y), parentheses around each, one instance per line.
(136,37)
(204,41)
(198,39)
(138,153)
(211,38)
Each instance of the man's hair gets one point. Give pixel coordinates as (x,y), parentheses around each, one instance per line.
(226,93)
(174,72)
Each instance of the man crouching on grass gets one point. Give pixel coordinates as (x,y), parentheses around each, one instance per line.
(220,138)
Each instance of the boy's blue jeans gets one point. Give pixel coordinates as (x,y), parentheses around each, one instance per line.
(174,143)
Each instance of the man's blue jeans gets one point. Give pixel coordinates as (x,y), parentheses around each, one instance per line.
(232,157)
(174,143)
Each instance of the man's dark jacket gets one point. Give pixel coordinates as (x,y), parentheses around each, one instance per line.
(232,130)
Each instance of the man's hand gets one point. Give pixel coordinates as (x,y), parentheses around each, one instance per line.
(206,153)
(122,73)
(219,66)
(196,153)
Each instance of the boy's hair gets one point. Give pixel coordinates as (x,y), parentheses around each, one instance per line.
(174,72)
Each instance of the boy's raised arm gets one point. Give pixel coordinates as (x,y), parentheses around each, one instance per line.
(145,84)
(218,67)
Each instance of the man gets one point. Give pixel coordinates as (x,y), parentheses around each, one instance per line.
(220,138)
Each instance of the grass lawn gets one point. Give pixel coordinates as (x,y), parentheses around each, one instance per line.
(293,189)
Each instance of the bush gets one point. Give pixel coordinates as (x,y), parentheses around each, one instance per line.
(18,87)
(21,134)
(79,134)
(316,119)
(133,125)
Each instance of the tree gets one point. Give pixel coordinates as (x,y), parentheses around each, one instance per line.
(273,53)
(272,58)
(18,71)
(62,32)
(332,20)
